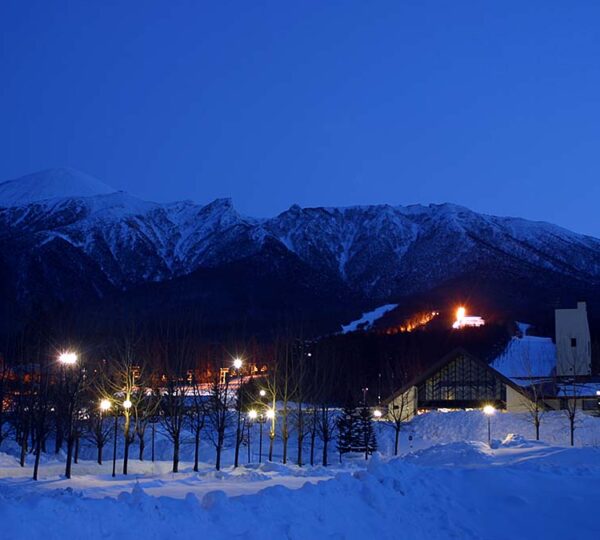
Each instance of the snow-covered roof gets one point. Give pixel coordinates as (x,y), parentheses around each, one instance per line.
(526,357)
(580,389)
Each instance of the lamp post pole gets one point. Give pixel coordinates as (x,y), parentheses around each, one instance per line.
(489,410)
(114,468)
(261,422)
(249,424)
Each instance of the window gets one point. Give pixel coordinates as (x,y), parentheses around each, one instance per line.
(573,342)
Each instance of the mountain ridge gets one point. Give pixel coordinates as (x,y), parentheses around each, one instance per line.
(380,253)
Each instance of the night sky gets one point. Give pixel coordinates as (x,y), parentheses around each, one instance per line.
(493,105)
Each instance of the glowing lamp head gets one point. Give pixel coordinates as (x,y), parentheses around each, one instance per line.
(127,404)
(252,414)
(263,393)
(270,414)
(67,358)
(488,410)
(104,405)
(237,363)
(377,413)
(460,313)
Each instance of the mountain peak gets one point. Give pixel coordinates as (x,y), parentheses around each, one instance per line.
(58,183)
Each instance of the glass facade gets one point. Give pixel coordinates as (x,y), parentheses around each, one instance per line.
(462,383)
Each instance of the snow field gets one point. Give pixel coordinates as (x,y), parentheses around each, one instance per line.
(451,485)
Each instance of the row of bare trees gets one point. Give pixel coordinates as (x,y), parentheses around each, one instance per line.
(115,393)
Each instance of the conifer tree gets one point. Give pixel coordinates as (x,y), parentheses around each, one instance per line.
(368,439)
(348,428)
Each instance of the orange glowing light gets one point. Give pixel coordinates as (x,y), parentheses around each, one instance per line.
(462,320)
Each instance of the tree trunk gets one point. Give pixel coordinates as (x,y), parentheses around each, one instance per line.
(153,436)
(100,447)
(325,442)
(572,429)
(142,447)
(38,453)
(196,448)
(396,441)
(126,454)
(76,456)
(176,453)
(537,429)
(218,460)
(285,436)
(313,436)
(236,457)
(301,434)
(24,439)
(69,455)
(58,441)
(271,442)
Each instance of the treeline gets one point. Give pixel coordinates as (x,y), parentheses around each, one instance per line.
(53,398)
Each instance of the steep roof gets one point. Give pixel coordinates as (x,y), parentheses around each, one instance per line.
(452,355)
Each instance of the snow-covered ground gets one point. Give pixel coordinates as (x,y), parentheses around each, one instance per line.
(448,483)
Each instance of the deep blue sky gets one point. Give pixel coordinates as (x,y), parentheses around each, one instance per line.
(494,105)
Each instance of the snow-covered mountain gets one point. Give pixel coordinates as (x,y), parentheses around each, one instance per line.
(50,184)
(64,223)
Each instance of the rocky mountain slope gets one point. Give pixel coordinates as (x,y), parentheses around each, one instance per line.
(66,237)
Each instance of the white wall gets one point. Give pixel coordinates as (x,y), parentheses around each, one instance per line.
(573,358)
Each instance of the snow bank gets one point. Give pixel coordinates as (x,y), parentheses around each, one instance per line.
(415,498)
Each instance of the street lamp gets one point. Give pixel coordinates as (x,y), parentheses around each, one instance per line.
(71,386)
(67,358)
(104,405)
(263,393)
(127,404)
(377,414)
(489,411)
(239,433)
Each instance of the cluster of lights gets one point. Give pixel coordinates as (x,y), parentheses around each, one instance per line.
(462,319)
(253,415)
(417,321)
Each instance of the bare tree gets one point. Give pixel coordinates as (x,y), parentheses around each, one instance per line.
(174,413)
(218,415)
(197,414)
(145,405)
(98,431)
(326,428)
(534,403)
(4,380)
(121,381)
(40,410)
(73,377)
(397,410)
(570,389)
